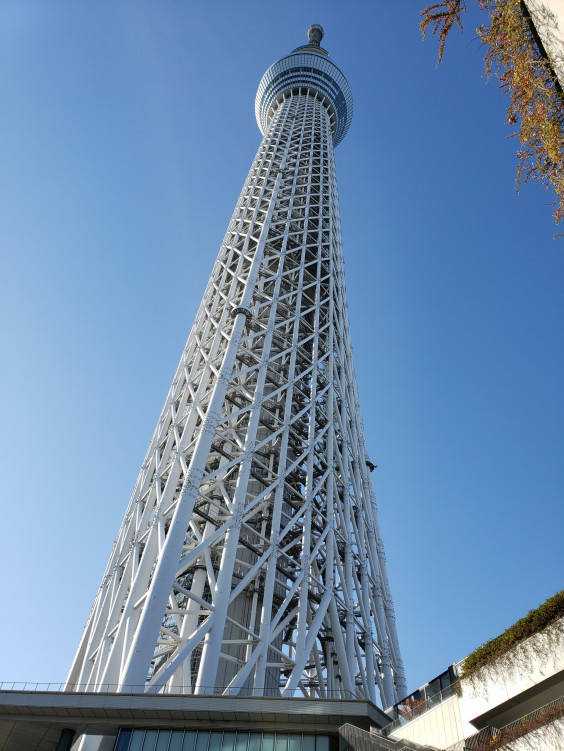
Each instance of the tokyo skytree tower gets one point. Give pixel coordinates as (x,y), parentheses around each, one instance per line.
(249,560)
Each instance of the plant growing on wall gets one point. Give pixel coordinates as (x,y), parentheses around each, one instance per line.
(535,621)
(515,730)
(516,57)
(412,706)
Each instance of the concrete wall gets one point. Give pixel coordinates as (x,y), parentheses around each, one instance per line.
(528,664)
(548,16)
(549,738)
(536,667)
(440,727)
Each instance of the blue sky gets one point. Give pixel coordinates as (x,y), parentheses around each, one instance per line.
(127,131)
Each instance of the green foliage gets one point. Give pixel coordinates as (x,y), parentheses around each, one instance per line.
(532,623)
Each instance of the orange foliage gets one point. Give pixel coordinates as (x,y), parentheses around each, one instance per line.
(536,104)
(443,16)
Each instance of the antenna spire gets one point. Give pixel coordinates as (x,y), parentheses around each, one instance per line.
(315,34)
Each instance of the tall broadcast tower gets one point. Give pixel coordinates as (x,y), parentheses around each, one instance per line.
(249,561)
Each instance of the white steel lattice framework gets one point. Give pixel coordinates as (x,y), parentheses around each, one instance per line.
(249,560)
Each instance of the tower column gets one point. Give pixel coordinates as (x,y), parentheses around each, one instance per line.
(249,560)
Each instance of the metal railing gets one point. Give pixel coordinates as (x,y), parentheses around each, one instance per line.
(352,737)
(483,736)
(525,723)
(408,713)
(226,691)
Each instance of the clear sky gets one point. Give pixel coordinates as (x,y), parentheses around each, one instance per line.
(127,129)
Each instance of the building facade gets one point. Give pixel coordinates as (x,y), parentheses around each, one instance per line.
(515,701)
(547,20)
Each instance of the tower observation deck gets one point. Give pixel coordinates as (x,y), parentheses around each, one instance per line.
(249,561)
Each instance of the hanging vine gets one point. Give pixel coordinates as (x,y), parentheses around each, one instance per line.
(442,16)
(516,57)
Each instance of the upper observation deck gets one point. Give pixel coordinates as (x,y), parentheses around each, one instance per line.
(307,67)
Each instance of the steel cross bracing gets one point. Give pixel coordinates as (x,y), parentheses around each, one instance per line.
(250,559)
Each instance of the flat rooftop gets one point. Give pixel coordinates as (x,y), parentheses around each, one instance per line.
(33,720)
